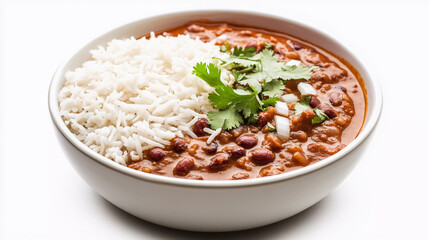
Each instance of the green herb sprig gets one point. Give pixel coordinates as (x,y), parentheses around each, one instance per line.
(260,80)
(304,104)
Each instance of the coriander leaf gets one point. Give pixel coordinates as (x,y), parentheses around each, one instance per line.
(240,52)
(261,73)
(302,105)
(271,127)
(273,69)
(299,108)
(242,91)
(245,70)
(238,62)
(269,46)
(242,58)
(248,107)
(220,60)
(210,74)
(225,48)
(305,100)
(270,67)
(253,118)
(270,101)
(223,96)
(254,82)
(225,119)
(238,75)
(320,116)
(297,72)
(274,88)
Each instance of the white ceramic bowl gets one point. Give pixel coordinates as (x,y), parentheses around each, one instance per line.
(213,205)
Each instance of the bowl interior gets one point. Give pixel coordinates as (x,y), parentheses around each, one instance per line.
(168,21)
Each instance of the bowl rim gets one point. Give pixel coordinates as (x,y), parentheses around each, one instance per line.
(370,120)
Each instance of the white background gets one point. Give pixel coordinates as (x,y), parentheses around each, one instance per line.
(385,197)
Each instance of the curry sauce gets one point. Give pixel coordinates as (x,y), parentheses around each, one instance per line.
(254,150)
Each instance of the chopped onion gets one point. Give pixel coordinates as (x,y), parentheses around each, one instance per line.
(306,89)
(289,98)
(282,126)
(282,109)
(293,63)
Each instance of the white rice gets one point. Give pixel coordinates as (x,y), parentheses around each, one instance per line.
(213,135)
(138,94)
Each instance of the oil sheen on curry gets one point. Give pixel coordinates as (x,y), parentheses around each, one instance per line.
(298,122)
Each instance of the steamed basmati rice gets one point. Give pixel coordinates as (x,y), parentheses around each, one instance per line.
(138,94)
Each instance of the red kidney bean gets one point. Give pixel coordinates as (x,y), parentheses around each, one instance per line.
(236,152)
(224,137)
(156,154)
(247,141)
(262,119)
(328,110)
(199,126)
(252,45)
(211,148)
(265,117)
(179,144)
(314,102)
(219,162)
(184,166)
(297,46)
(262,156)
(335,99)
(195,28)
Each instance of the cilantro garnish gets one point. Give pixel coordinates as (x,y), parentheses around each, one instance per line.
(225,48)
(296,72)
(235,105)
(304,104)
(320,116)
(260,79)
(271,127)
(258,70)
(270,101)
(246,52)
(273,88)
(225,119)
(223,96)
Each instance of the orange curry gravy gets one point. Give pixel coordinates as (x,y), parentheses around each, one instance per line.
(253,151)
